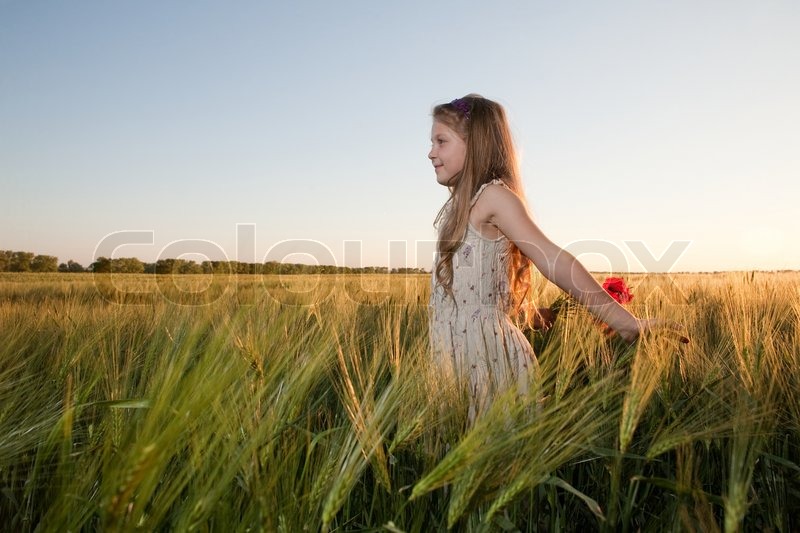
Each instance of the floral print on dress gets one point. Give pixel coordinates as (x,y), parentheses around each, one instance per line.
(472,336)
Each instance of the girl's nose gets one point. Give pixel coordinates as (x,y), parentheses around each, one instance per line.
(430,154)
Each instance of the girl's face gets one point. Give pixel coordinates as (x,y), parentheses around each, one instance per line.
(448,152)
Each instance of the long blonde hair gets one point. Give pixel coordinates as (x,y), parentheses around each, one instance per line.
(490,154)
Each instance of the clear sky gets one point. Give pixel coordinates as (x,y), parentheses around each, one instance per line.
(646,121)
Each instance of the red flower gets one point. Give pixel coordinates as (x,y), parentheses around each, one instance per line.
(618,290)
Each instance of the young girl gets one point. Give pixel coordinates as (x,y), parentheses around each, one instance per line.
(487,242)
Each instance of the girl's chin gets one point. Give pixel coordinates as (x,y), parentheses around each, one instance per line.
(446,181)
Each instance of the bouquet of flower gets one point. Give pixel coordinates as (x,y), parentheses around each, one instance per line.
(618,290)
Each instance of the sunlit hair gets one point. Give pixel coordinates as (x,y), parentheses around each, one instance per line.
(490,155)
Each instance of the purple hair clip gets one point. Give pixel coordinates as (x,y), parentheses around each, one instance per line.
(462,105)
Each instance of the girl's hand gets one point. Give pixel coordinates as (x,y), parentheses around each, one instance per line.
(543,318)
(646,325)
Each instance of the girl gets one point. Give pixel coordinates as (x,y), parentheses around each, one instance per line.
(487,242)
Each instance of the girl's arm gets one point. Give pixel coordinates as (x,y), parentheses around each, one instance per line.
(506,211)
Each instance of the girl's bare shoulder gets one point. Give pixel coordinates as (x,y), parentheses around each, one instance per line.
(491,197)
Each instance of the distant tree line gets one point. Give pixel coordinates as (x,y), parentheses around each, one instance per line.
(29,262)
(11,261)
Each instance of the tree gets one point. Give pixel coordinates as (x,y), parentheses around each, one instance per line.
(165,266)
(5,260)
(271,267)
(221,267)
(127,265)
(44,263)
(72,266)
(21,262)
(101,266)
(189,267)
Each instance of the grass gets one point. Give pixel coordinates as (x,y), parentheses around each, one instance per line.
(307,403)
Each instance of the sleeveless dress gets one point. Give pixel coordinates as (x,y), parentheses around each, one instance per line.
(473,340)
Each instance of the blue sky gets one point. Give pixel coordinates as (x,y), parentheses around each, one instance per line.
(652,122)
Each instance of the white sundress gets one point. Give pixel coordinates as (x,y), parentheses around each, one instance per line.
(472,336)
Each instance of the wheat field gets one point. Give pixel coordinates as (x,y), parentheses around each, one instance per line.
(307,403)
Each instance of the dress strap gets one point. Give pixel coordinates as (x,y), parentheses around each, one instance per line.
(495,181)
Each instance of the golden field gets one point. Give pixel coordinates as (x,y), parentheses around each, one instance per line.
(306,403)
